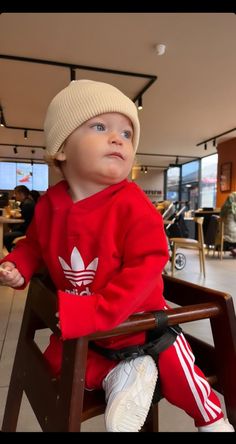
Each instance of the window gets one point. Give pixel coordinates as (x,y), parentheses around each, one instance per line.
(190,172)
(172,183)
(208,181)
(190,184)
(18,173)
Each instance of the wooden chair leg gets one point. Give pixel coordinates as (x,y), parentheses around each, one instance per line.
(152,421)
(13,404)
(155,418)
(203,263)
(173,258)
(16,388)
(221,252)
(200,259)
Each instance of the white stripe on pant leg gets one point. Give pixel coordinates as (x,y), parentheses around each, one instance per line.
(199,378)
(201,382)
(191,384)
(192,357)
(214,406)
(203,385)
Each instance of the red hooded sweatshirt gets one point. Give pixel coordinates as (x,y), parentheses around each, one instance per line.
(105,255)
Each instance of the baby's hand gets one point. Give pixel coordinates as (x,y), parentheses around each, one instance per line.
(10,275)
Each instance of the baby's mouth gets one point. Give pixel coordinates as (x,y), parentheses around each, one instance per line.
(116,154)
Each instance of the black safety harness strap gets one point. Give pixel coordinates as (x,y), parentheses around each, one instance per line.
(159,339)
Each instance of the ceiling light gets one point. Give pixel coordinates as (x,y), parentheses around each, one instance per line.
(140,103)
(2,122)
(145,171)
(205,146)
(25,134)
(72,74)
(15,149)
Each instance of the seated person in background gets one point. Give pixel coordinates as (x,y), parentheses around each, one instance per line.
(4,199)
(228,214)
(34,194)
(22,194)
(163,205)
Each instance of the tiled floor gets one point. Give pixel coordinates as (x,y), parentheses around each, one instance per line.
(220,275)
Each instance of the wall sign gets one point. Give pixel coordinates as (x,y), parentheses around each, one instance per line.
(225,176)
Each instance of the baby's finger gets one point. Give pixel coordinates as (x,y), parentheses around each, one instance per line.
(19,281)
(15,280)
(4,270)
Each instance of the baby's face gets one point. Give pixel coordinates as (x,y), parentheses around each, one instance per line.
(101,150)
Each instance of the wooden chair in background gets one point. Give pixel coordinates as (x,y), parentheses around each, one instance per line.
(219,241)
(214,238)
(63,404)
(193,244)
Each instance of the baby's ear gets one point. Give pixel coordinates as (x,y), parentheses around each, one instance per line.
(61,156)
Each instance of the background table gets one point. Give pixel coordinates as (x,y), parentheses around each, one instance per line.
(207,216)
(6,220)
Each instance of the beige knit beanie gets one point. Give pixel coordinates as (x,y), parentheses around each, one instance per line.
(80,101)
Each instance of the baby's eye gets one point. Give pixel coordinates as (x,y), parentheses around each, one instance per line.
(127,134)
(99,127)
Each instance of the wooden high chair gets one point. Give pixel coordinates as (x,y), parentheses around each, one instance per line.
(61,404)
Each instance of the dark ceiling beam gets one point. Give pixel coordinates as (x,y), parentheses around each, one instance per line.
(216,137)
(24,159)
(161,167)
(24,146)
(168,155)
(76,66)
(22,128)
(72,68)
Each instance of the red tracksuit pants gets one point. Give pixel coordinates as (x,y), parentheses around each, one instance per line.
(182,383)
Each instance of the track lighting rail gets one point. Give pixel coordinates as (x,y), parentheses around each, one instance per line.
(72,68)
(213,139)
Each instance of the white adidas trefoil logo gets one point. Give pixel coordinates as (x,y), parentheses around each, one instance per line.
(77,274)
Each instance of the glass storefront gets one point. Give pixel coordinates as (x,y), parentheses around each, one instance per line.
(190,184)
(194,182)
(172,183)
(208,181)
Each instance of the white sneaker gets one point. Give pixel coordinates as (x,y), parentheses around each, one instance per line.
(222,425)
(129,389)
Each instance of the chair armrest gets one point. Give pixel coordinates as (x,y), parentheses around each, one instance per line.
(183,293)
(44,302)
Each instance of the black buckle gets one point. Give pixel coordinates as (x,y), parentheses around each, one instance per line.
(131,352)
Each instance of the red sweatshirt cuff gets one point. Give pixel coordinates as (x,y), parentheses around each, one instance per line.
(76,315)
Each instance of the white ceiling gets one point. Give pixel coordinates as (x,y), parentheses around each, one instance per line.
(193,98)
